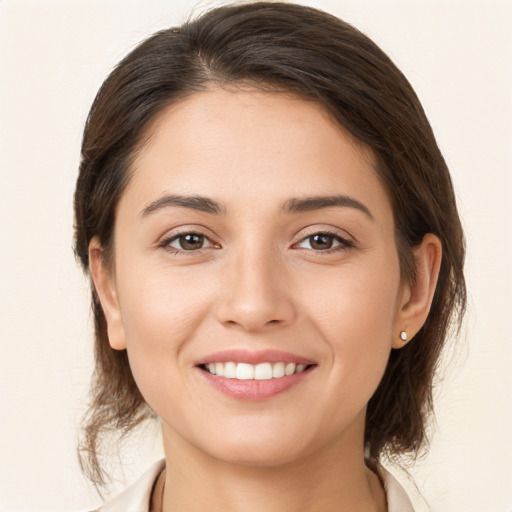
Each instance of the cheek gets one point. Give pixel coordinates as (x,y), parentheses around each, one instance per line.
(355,309)
(161,311)
(354,299)
(160,306)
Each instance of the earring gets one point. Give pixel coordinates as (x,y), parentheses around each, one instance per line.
(403,335)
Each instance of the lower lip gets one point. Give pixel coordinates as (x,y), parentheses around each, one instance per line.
(254,390)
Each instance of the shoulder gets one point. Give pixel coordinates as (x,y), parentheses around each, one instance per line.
(137,497)
(397,498)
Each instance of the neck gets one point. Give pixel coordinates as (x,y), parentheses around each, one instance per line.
(331,480)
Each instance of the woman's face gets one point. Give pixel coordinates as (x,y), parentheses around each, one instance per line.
(255,236)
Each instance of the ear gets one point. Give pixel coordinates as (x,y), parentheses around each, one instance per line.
(104,284)
(416,297)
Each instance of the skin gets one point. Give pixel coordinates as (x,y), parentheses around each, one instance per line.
(259,283)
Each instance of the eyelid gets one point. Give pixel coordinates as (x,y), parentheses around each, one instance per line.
(345,239)
(324,229)
(174,238)
(177,232)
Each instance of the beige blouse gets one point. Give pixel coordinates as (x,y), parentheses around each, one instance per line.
(137,497)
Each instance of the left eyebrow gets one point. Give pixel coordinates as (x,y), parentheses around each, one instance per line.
(309,204)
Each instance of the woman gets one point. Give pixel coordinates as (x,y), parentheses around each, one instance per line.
(276,257)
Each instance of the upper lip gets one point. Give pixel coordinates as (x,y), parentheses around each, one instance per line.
(253,357)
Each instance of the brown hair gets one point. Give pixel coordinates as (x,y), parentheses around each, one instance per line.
(315,55)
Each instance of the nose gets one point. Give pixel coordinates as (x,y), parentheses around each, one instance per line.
(256,295)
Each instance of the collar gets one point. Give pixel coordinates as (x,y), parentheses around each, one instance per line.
(137,497)
(397,498)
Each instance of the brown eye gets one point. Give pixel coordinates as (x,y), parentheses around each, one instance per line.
(189,242)
(324,241)
(321,241)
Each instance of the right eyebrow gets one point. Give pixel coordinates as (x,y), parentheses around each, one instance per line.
(201,203)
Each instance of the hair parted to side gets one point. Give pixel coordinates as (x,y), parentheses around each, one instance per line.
(297,49)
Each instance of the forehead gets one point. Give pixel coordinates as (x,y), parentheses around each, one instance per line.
(246,143)
(245,109)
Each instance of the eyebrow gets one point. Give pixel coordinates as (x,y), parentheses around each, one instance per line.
(200,203)
(302,205)
(308,204)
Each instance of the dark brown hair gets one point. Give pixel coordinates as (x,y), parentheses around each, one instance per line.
(317,56)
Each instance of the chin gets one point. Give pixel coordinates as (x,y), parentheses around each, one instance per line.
(256,446)
(257,454)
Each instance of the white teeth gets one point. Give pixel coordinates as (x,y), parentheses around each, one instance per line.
(278,370)
(230,370)
(244,371)
(262,371)
(290,369)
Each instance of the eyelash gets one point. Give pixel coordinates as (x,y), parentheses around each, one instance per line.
(166,243)
(344,244)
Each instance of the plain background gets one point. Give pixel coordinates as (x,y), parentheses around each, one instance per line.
(54,56)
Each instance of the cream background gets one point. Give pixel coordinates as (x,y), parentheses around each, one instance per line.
(54,56)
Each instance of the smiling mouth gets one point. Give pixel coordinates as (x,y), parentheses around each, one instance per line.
(262,371)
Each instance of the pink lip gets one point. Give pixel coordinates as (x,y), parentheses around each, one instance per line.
(254,390)
(251,357)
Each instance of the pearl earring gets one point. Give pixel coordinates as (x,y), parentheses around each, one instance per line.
(403,336)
